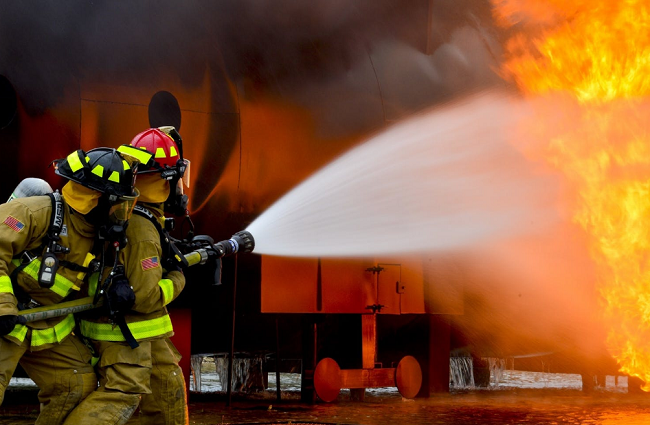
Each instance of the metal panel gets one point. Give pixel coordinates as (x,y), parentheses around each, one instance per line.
(289,285)
(412,298)
(401,286)
(347,286)
(292,285)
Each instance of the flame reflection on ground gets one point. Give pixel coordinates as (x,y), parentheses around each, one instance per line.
(482,407)
(486,407)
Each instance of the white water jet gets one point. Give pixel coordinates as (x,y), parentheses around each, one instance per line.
(444,179)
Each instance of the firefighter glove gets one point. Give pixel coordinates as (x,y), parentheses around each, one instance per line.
(120,295)
(7,323)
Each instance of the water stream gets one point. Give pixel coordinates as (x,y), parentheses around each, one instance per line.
(443,179)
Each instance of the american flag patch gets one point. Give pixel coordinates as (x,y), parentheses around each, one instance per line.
(14,223)
(149,263)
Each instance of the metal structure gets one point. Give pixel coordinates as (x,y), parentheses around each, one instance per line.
(365,288)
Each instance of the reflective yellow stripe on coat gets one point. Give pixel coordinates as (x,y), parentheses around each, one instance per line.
(167,286)
(62,285)
(5,284)
(140,330)
(52,335)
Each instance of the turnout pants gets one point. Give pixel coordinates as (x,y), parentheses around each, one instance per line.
(167,403)
(123,379)
(63,374)
(148,376)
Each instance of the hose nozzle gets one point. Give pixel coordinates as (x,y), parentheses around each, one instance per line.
(242,241)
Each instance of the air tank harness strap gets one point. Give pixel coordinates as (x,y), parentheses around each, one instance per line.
(128,336)
(50,263)
(49,241)
(87,342)
(116,316)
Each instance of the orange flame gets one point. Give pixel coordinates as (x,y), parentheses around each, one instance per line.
(590,59)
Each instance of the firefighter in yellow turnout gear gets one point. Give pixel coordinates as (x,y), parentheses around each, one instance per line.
(149,375)
(45,258)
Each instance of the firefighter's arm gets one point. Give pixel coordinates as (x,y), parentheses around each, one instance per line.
(16,231)
(153,288)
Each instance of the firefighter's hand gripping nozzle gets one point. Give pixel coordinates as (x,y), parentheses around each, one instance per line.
(204,249)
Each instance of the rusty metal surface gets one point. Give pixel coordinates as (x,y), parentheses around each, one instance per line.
(368,340)
(310,285)
(368,378)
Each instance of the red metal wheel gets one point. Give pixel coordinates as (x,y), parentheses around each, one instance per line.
(327,380)
(408,377)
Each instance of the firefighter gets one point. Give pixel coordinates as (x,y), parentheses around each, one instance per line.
(46,253)
(148,375)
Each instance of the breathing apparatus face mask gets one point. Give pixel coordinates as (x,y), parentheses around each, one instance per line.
(177,201)
(121,207)
(111,217)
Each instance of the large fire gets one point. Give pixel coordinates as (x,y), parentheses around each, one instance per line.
(589,63)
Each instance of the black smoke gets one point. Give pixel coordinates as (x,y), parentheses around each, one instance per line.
(47,46)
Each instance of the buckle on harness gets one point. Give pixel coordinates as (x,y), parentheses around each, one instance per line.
(26,305)
(27,257)
(33,304)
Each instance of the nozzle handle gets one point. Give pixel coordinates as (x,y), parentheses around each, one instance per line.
(200,256)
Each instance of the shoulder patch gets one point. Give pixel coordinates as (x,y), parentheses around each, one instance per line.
(15,224)
(150,263)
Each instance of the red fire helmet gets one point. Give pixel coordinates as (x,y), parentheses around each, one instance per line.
(160,144)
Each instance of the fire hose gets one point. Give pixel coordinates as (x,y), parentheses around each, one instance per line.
(240,242)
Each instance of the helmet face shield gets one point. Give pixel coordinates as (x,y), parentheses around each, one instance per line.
(121,208)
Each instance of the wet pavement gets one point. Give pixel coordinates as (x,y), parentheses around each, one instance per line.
(491,407)
(476,407)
